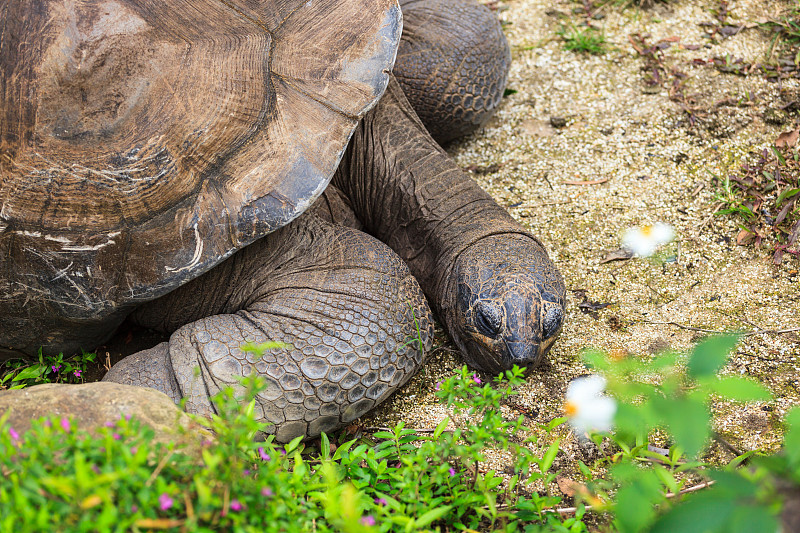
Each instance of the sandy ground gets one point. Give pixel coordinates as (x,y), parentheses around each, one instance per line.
(655,166)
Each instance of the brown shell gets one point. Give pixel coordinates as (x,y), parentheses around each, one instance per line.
(143,141)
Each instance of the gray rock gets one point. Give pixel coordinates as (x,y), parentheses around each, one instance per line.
(91,405)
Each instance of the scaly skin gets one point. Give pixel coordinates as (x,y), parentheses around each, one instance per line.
(452,64)
(469,255)
(344,301)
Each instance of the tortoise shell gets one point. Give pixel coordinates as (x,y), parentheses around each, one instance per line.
(144,141)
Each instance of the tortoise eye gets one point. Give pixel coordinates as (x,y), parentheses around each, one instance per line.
(488,319)
(552,322)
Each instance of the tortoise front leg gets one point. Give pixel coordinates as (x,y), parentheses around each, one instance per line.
(348,306)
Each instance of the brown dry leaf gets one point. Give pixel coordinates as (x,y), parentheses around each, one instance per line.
(788,138)
(620,254)
(585,182)
(744,238)
(569,487)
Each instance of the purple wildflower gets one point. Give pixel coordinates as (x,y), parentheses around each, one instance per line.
(77,373)
(13,433)
(164,501)
(48,423)
(476,379)
(55,368)
(266,492)
(128,417)
(368,520)
(236,505)
(109,424)
(452,471)
(134,449)
(65,424)
(438,385)
(116,436)
(264,455)
(134,508)
(380,501)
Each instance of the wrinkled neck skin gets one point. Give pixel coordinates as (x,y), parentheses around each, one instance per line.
(408,193)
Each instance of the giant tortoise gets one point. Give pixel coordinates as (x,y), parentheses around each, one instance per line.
(164,162)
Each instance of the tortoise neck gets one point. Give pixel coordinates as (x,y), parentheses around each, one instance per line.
(409,194)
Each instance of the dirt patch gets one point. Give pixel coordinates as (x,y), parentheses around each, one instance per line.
(644,157)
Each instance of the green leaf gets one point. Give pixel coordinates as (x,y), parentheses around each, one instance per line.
(324,446)
(701,513)
(432,515)
(788,193)
(733,485)
(549,456)
(31,372)
(791,442)
(441,427)
(739,459)
(710,356)
(752,519)
(740,389)
(688,421)
(778,155)
(554,423)
(637,497)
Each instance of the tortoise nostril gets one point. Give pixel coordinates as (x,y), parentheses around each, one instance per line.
(552,322)
(488,319)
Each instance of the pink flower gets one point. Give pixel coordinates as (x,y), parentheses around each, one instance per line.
(368,520)
(264,455)
(164,501)
(116,436)
(438,385)
(452,471)
(13,433)
(380,501)
(65,424)
(134,449)
(77,373)
(476,379)
(109,424)
(134,508)
(266,492)
(236,505)
(56,368)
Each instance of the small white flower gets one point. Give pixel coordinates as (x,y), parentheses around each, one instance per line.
(644,241)
(586,406)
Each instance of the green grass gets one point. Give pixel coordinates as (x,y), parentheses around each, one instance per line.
(583,39)
(56,478)
(763,195)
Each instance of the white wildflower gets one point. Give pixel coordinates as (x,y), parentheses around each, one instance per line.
(586,406)
(645,240)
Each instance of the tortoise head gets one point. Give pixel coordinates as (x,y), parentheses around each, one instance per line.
(509,307)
